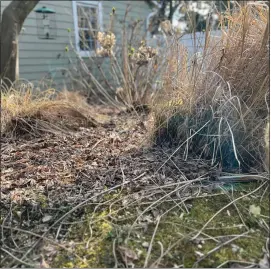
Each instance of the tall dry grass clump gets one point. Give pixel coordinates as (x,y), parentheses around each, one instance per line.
(29,111)
(217,102)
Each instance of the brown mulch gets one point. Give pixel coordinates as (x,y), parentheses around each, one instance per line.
(64,170)
(87,160)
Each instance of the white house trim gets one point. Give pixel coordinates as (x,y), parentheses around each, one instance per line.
(96,4)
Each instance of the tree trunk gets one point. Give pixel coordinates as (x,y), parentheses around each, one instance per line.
(11,24)
(173,9)
(158,18)
(170,11)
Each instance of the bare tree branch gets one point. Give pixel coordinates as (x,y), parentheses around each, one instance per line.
(173,9)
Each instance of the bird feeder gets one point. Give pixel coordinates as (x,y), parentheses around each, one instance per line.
(46,23)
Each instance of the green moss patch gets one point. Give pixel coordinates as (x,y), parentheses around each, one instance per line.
(117,235)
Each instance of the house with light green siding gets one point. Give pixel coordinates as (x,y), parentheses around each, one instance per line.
(49,48)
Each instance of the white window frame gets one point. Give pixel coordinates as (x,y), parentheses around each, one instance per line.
(95,4)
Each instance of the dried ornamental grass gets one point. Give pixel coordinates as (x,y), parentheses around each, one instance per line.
(33,112)
(225,95)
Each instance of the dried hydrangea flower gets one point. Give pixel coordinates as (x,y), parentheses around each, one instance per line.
(107,41)
(144,54)
(104,52)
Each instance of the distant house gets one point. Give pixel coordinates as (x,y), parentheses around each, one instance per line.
(45,52)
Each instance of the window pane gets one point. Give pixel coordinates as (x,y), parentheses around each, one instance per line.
(87,17)
(87,42)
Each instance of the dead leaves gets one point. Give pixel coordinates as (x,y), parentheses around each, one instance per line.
(61,171)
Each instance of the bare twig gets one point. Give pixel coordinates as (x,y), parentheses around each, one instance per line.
(150,246)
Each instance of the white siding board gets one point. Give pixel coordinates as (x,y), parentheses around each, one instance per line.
(52,61)
(41,42)
(28,54)
(32,37)
(31,25)
(36,57)
(43,47)
(40,68)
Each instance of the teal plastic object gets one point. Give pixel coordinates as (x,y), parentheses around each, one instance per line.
(45,10)
(227,186)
